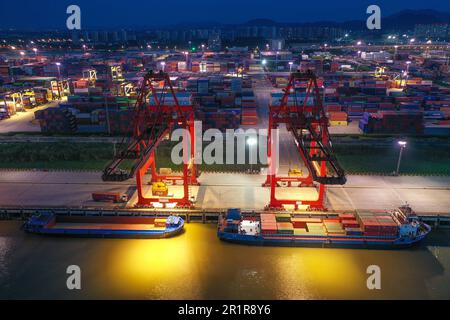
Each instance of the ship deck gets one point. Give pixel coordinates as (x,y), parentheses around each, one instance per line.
(105,226)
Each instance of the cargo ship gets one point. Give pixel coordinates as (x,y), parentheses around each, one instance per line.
(47,223)
(396,229)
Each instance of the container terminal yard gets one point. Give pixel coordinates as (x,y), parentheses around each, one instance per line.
(246,105)
(344,142)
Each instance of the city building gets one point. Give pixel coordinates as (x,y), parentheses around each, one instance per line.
(436,30)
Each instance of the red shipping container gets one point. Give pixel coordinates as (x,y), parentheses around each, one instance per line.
(268,222)
(268,218)
(346,216)
(350,223)
(333,108)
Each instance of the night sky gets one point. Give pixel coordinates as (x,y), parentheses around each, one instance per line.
(40,14)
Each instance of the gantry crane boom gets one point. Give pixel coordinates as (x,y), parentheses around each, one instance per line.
(151,124)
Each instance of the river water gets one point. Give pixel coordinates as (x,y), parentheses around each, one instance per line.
(196,265)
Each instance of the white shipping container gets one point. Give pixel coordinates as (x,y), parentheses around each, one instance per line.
(81,90)
(182,66)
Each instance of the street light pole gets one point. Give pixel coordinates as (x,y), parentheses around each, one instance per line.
(59,71)
(407,72)
(251,142)
(107,117)
(58,64)
(264,62)
(402,146)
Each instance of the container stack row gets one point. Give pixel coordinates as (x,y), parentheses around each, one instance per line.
(249,113)
(356,96)
(377,225)
(368,224)
(388,122)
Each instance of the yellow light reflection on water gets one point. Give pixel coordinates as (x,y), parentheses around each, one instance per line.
(303,273)
(197,265)
(153,268)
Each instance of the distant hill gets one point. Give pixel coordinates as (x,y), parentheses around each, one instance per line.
(407,19)
(403,20)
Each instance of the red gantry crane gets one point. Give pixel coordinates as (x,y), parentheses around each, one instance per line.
(156,114)
(301,110)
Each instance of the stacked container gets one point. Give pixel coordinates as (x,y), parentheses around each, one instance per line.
(249,114)
(283,217)
(268,224)
(338,118)
(203,85)
(121,122)
(55,120)
(333,227)
(316,229)
(285,228)
(378,225)
(392,122)
(300,223)
(350,224)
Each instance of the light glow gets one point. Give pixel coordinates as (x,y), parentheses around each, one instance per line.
(251,141)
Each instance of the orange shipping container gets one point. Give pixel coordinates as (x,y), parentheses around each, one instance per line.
(337,116)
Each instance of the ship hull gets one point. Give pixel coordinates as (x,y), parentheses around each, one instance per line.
(380,230)
(320,242)
(105,227)
(124,234)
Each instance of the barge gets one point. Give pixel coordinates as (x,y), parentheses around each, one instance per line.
(47,223)
(397,229)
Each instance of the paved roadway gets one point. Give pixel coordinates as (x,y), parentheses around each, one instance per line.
(427,195)
(289,157)
(48,139)
(263,87)
(23,121)
(39,188)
